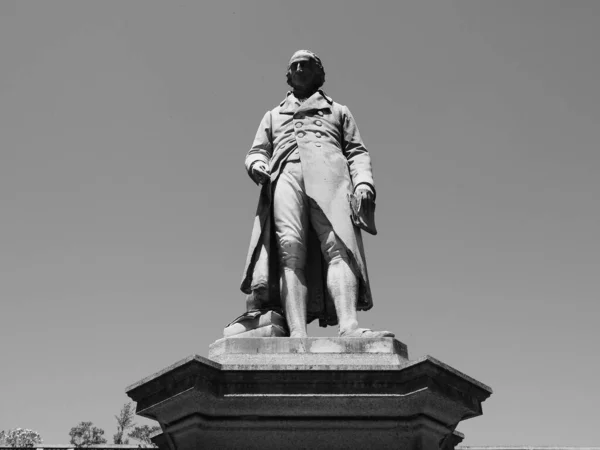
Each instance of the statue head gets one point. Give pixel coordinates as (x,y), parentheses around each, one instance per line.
(305,71)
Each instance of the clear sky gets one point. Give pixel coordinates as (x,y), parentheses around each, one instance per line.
(126,211)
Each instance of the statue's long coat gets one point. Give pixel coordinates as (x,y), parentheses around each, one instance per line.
(334,161)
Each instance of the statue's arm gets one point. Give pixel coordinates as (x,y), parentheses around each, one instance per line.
(262,148)
(359,160)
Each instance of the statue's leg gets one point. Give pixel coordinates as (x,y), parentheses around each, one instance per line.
(291,222)
(293,296)
(343,288)
(342,283)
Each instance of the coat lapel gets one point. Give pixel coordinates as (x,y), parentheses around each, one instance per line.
(289,104)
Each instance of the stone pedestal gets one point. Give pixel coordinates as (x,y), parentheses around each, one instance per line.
(330,393)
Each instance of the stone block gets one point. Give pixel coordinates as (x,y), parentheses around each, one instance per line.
(262,320)
(315,353)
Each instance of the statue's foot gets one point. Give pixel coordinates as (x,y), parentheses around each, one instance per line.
(366,333)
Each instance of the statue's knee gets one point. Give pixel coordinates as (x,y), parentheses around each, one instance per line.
(333,250)
(292,254)
(337,259)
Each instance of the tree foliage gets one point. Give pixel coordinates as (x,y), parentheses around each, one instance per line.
(124,422)
(142,433)
(20,437)
(85,434)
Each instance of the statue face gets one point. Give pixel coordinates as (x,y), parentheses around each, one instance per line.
(303,73)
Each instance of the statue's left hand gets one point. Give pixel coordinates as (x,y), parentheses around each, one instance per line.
(367,198)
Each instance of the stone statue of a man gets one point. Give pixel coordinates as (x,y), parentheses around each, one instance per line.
(306,255)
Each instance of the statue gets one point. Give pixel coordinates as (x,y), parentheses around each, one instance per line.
(306,254)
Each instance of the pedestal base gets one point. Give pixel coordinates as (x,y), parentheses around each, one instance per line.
(333,393)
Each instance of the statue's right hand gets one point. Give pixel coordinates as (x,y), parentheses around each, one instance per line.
(260,172)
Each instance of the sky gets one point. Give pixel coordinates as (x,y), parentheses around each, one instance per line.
(126,211)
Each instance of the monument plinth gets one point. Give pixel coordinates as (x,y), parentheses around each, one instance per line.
(333,393)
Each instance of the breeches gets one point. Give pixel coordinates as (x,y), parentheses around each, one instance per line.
(293,212)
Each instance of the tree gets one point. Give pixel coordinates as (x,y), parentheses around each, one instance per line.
(142,433)
(124,422)
(85,434)
(20,437)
